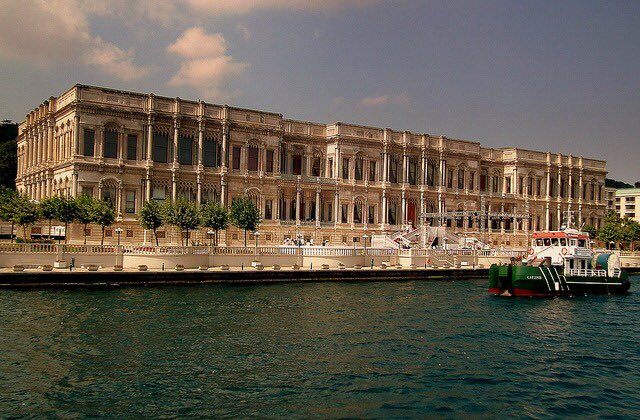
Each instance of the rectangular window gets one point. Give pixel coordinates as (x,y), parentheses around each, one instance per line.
(329,212)
(132,147)
(270,156)
(252,159)
(359,170)
(88,191)
(209,153)
(315,167)
(372,171)
(371,217)
(111,144)
(472,181)
(345,211)
(160,147)
(185,150)
(496,184)
(89,142)
(345,168)
(508,184)
(450,178)
(413,171)
(357,213)
(461,179)
(483,182)
(297,164)
(268,209)
(159,193)
(236,157)
(283,161)
(130,204)
(393,171)
(330,167)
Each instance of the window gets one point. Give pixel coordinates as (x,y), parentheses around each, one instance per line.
(185,150)
(252,158)
(345,168)
(132,147)
(329,212)
(283,161)
(431,172)
(371,216)
(449,178)
(297,165)
(159,193)
(88,191)
(209,152)
(270,156)
(393,171)
(160,147)
(391,214)
(472,181)
(315,167)
(483,182)
(330,167)
(130,202)
(89,142)
(110,144)
(508,184)
(460,179)
(344,214)
(109,195)
(268,209)
(413,169)
(359,169)
(496,184)
(372,171)
(357,213)
(236,157)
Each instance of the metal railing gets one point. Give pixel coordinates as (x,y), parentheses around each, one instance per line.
(585,272)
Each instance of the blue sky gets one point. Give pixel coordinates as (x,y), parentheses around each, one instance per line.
(562,76)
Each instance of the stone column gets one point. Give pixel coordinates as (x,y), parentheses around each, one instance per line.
(403,209)
(298,205)
(225,140)
(318,207)
(74,184)
(176,135)
(383,219)
(201,128)
(223,193)
(336,205)
(76,135)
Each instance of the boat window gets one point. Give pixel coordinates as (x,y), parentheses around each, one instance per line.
(554,241)
(573,242)
(539,242)
(563,241)
(547,241)
(581,243)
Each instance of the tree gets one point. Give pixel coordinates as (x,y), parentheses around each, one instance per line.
(631,232)
(66,213)
(214,216)
(8,154)
(26,213)
(590,230)
(245,215)
(184,215)
(637,184)
(49,209)
(104,215)
(7,206)
(84,212)
(151,217)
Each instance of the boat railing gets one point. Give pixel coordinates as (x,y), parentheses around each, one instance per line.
(586,272)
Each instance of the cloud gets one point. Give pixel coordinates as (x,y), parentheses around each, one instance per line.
(47,32)
(243,7)
(196,43)
(402,99)
(207,66)
(339,100)
(246,33)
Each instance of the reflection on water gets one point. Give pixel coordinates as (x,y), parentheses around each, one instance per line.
(400,349)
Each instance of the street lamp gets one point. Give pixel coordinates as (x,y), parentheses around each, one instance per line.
(118,231)
(210,232)
(444,243)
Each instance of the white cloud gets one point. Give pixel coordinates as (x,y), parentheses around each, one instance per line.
(402,99)
(207,66)
(246,33)
(242,7)
(196,43)
(57,31)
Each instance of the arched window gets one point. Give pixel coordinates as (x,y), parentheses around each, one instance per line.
(252,157)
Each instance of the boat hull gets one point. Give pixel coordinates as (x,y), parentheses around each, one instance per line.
(507,280)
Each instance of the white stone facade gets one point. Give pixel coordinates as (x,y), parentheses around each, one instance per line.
(328,182)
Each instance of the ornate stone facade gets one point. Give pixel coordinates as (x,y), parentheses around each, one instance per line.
(328,182)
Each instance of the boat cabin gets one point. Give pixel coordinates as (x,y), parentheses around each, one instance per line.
(568,244)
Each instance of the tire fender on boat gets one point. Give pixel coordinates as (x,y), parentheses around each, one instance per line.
(564,251)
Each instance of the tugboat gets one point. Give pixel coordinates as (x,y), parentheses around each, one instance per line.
(560,263)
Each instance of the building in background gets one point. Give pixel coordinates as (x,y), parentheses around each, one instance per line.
(628,203)
(326,182)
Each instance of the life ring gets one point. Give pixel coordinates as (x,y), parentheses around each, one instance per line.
(429,261)
(564,251)
(530,251)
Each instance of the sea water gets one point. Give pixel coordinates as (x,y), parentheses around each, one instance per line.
(379,349)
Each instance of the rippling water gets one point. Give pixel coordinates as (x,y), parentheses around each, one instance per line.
(401,349)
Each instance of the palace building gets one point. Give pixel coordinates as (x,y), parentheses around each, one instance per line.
(327,182)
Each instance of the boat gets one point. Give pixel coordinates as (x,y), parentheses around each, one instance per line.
(559,263)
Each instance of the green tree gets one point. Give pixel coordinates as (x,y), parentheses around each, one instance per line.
(590,230)
(49,209)
(631,232)
(26,213)
(245,215)
(151,217)
(612,231)
(214,216)
(184,215)
(104,215)
(8,154)
(67,213)
(8,199)
(84,212)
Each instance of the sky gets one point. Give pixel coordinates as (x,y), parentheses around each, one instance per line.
(559,76)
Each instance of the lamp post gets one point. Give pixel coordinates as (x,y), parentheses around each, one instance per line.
(210,232)
(119,232)
(444,243)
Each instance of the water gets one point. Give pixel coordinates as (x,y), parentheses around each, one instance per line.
(402,349)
